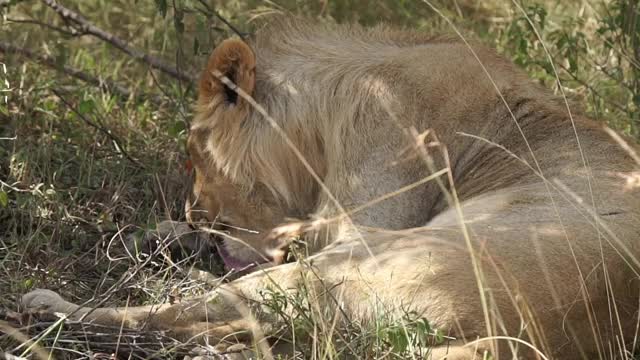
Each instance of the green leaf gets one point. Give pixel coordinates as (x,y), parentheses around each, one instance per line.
(176,129)
(573,64)
(4,199)
(177,20)
(86,106)
(61,55)
(201,27)
(162,7)
(196,46)
(398,340)
(28,284)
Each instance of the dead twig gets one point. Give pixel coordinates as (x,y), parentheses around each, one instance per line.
(101,129)
(84,26)
(103,84)
(135,343)
(4,3)
(71,32)
(14,333)
(592,89)
(209,11)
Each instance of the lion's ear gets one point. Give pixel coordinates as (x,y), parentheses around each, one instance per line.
(234,59)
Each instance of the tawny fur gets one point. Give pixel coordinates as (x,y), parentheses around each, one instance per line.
(552,220)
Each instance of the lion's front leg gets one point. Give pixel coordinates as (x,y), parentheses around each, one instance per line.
(198,320)
(230,312)
(153,316)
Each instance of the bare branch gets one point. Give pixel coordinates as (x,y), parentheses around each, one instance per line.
(210,11)
(72,32)
(106,132)
(592,89)
(103,84)
(84,26)
(7,3)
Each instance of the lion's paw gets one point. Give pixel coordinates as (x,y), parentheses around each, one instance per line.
(40,299)
(169,234)
(281,237)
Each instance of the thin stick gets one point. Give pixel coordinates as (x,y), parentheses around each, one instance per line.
(84,26)
(103,84)
(99,128)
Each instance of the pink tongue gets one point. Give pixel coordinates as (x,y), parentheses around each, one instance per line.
(231,262)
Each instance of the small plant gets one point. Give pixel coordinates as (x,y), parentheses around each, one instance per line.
(405,336)
(107,151)
(409,336)
(595,57)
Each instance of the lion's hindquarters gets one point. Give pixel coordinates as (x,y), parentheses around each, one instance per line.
(538,263)
(547,260)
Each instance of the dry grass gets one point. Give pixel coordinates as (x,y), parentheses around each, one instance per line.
(72,193)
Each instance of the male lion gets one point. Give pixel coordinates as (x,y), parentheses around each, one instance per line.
(422,174)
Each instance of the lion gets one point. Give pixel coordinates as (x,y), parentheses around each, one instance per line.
(413,173)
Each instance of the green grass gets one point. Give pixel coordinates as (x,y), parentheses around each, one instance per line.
(79,168)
